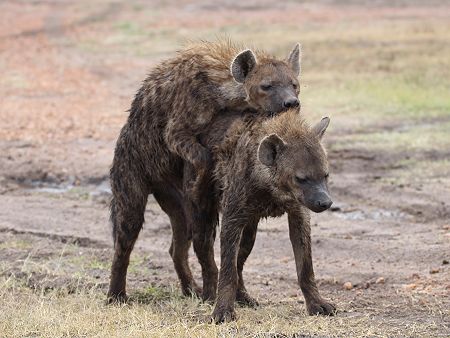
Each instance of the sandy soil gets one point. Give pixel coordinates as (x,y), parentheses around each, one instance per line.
(62,107)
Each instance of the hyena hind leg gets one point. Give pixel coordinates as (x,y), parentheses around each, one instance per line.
(203,217)
(127,223)
(170,200)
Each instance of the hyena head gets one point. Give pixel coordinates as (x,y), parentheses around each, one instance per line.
(297,162)
(271,85)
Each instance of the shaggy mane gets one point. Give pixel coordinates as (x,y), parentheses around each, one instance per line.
(290,126)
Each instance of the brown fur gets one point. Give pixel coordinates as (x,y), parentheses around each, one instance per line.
(190,89)
(250,190)
(158,150)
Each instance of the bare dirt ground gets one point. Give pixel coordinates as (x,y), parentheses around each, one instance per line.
(69,72)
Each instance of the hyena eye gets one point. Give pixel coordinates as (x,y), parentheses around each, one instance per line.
(295,86)
(326,175)
(266,86)
(301,180)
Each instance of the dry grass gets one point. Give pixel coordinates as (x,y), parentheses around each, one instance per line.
(163,313)
(62,294)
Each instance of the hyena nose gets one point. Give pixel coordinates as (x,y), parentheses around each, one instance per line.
(291,103)
(324,205)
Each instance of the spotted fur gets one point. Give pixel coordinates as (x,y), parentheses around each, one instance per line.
(158,150)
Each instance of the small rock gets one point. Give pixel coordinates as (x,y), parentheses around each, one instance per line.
(285,259)
(415,276)
(348,237)
(434,270)
(380,280)
(410,286)
(366,285)
(348,286)
(444,262)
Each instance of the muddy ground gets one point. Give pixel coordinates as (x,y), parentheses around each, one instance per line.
(64,99)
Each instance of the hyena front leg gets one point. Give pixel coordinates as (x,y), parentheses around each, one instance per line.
(246,246)
(182,130)
(233,223)
(300,235)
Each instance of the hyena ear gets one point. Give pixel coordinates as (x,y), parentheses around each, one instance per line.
(242,65)
(270,148)
(294,59)
(320,128)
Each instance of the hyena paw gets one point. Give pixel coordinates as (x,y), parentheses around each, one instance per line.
(244,299)
(223,315)
(209,295)
(193,290)
(117,298)
(197,291)
(320,307)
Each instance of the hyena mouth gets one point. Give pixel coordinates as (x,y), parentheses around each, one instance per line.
(271,113)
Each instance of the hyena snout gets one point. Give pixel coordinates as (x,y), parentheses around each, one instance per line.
(291,102)
(319,201)
(323,204)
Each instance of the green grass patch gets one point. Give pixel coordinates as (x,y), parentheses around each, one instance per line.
(16,244)
(434,137)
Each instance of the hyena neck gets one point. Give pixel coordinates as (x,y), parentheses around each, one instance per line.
(262,178)
(234,96)
(265,199)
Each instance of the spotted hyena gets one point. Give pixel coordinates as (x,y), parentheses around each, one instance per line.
(160,144)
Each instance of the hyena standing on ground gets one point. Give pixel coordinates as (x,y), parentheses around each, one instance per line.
(159,144)
(265,168)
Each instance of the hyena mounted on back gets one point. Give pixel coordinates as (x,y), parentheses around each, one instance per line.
(159,145)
